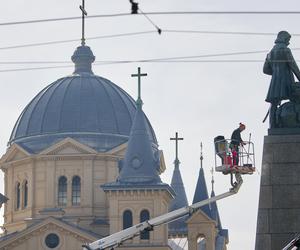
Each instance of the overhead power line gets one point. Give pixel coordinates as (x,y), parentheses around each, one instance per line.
(140,61)
(151,21)
(156,13)
(162,59)
(142,33)
(76,40)
(223,32)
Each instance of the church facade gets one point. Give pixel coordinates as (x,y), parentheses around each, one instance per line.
(83,162)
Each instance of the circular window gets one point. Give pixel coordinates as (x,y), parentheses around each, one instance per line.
(136,162)
(52,240)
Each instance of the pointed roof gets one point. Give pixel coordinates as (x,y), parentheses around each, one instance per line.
(223,234)
(215,212)
(141,165)
(201,189)
(178,186)
(141,162)
(178,227)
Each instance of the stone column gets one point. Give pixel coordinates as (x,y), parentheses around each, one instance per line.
(279,202)
(210,241)
(192,240)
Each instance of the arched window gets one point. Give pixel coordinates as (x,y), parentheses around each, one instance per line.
(127,219)
(76,189)
(144,215)
(18,195)
(62,191)
(25,192)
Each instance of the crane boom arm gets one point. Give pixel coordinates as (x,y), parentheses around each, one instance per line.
(116,239)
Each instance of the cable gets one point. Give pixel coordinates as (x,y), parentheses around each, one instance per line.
(35,68)
(60,19)
(223,32)
(140,33)
(178,59)
(166,59)
(150,20)
(33,62)
(137,61)
(158,13)
(76,40)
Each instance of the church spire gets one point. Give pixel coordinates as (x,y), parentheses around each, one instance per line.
(201,155)
(83,56)
(178,227)
(214,208)
(141,164)
(212,179)
(201,188)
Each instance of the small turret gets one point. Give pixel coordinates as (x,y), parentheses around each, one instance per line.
(178,228)
(141,162)
(201,188)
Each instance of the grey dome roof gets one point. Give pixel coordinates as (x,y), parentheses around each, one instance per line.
(83,106)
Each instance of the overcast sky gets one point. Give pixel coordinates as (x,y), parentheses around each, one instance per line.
(198,99)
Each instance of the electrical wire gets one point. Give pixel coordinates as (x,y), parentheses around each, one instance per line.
(34,68)
(163,59)
(33,62)
(150,20)
(223,32)
(137,61)
(177,59)
(140,33)
(157,13)
(76,40)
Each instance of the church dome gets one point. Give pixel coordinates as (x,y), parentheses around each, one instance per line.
(83,106)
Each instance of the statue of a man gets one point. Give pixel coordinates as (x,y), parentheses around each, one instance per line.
(281,65)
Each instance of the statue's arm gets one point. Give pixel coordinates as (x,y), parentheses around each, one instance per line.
(267,67)
(293,65)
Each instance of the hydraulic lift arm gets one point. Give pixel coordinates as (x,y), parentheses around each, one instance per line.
(118,238)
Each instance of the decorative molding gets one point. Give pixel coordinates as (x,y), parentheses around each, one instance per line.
(46,226)
(12,151)
(75,146)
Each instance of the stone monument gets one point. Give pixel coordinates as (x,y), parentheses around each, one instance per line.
(279,202)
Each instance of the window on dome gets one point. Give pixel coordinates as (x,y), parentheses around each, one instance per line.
(127,219)
(76,190)
(25,192)
(145,215)
(62,191)
(18,197)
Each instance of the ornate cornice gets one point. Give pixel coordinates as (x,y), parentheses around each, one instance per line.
(42,230)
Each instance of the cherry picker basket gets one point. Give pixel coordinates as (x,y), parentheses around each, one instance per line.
(234,159)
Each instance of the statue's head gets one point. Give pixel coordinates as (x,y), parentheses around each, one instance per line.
(283,37)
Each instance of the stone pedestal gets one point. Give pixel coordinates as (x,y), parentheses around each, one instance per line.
(279,202)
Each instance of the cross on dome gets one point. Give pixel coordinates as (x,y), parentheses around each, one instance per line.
(84,13)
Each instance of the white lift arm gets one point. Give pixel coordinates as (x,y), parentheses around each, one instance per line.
(294,244)
(118,238)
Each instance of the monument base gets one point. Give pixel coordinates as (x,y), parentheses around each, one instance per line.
(284,131)
(279,203)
